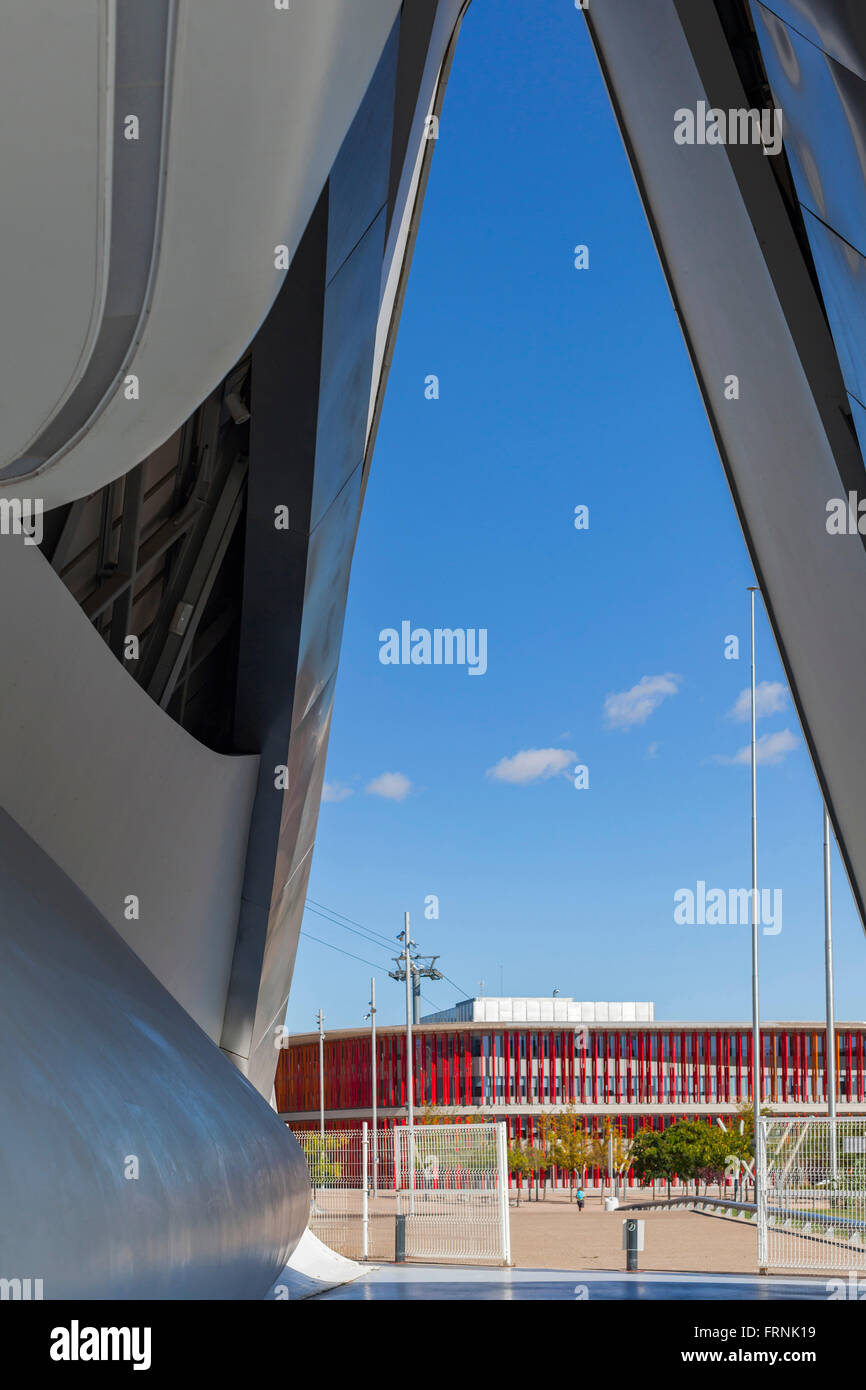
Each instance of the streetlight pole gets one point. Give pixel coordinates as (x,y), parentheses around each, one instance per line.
(410,1107)
(757,1055)
(830,1035)
(372,1018)
(320,1017)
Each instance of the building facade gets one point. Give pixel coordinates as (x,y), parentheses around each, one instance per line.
(639,1073)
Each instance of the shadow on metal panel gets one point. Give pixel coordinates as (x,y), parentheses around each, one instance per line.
(138,1162)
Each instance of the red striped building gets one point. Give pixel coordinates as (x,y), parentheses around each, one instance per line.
(642,1074)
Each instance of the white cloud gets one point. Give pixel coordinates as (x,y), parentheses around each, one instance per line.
(333,791)
(625,708)
(652,751)
(532,765)
(394,786)
(771,697)
(770,749)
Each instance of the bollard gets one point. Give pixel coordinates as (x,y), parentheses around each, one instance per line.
(632,1241)
(400,1240)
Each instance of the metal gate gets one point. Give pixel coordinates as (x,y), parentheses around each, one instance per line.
(812,1194)
(440,1193)
(452,1192)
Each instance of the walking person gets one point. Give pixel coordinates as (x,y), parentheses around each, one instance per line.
(581,1198)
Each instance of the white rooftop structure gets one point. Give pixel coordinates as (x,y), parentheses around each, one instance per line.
(555,1009)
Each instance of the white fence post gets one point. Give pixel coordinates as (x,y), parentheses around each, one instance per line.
(502,1166)
(763,1204)
(365,1195)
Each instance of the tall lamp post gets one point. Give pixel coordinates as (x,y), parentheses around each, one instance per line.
(372,1017)
(830,1035)
(757,1055)
(320,1019)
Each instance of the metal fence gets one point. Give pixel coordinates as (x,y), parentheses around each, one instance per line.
(452,1190)
(812,1194)
(437,1193)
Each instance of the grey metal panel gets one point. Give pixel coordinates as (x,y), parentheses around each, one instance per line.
(311,379)
(824,122)
(297,79)
(837,26)
(773,440)
(295,592)
(300,812)
(135,185)
(260,1065)
(858,414)
(351,311)
(842,272)
(358,182)
(99,1065)
(286,369)
(331,547)
(119,796)
(54,80)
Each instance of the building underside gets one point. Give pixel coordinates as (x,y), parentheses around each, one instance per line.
(194,357)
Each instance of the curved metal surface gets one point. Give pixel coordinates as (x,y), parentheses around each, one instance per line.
(142,44)
(837,26)
(285,84)
(135,1162)
(119,796)
(824,108)
(342,300)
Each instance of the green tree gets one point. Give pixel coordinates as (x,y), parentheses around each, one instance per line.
(610,1144)
(518,1165)
(651,1155)
(321,1155)
(570,1147)
(691,1149)
(537,1160)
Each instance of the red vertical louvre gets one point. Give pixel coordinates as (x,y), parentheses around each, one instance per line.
(632,1065)
(563,1068)
(459,1069)
(641,1078)
(530,1068)
(596,1079)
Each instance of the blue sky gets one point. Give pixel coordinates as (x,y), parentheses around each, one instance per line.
(558,387)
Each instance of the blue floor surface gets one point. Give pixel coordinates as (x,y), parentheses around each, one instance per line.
(412,1282)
